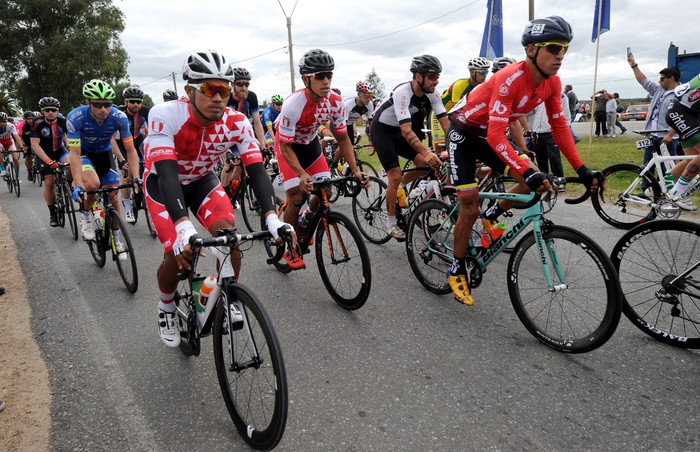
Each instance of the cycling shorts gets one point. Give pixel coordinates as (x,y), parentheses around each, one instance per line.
(464,149)
(684,121)
(204,197)
(103,164)
(311,159)
(390,144)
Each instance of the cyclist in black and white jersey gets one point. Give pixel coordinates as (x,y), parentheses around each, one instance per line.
(397,129)
(357,106)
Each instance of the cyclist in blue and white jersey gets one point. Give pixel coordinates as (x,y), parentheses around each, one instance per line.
(90,131)
(269,116)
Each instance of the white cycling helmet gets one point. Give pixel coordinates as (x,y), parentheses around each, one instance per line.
(501,62)
(479,64)
(206,64)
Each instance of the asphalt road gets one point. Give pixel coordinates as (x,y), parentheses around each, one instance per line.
(584,128)
(409,371)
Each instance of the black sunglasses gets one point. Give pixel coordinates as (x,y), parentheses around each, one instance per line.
(53,110)
(242,84)
(101,104)
(323,75)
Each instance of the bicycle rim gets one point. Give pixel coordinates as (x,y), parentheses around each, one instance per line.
(369,211)
(616,208)
(430,245)
(70,210)
(97,249)
(250,369)
(343,261)
(648,259)
(59,205)
(126,266)
(575,319)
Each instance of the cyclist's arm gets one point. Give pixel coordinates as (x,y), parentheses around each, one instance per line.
(18,141)
(561,131)
(116,150)
(516,132)
(258,128)
(132,156)
(36,147)
(170,189)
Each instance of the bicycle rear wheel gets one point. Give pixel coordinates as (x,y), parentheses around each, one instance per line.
(369,211)
(126,260)
(616,208)
(70,209)
(250,207)
(343,261)
(649,258)
(15,179)
(59,205)
(97,248)
(430,244)
(250,369)
(577,317)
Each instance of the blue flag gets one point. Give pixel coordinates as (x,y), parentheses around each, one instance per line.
(492,43)
(604,18)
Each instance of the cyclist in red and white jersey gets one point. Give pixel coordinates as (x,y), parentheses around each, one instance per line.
(185,140)
(298,150)
(10,141)
(478,126)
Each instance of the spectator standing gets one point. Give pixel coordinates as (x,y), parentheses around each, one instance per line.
(572,99)
(610,113)
(599,113)
(620,109)
(661,99)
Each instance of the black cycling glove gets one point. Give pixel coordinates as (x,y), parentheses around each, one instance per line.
(587,176)
(534,179)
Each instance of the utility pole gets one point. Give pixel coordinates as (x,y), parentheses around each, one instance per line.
(289,42)
(174,82)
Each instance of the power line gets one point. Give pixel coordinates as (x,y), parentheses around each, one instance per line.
(159,79)
(393,32)
(262,54)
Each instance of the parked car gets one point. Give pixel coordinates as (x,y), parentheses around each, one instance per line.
(635,113)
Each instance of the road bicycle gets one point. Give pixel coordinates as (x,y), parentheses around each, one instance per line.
(104,238)
(659,268)
(341,254)
(138,202)
(247,354)
(369,206)
(561,283)
(341,168)
(624,205)
(11,176)
(63,201)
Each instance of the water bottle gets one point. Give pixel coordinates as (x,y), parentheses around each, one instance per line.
(416,192)
(401,196)
(205,291)
(99,216)
(208,293)
(492,232)
(668,179)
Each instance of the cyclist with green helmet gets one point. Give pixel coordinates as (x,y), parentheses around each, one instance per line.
(90,131)
(269,116)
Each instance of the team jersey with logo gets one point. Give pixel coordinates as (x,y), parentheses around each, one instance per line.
(300,118)
(137,122)
(174,134)
(6,134)
(456,92)
(85,132)
(269,115)
(45,132)
(403,106)
(354,111)
(688,93)
(502,99)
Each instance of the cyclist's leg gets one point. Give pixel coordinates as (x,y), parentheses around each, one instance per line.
(687,124)
(385,139)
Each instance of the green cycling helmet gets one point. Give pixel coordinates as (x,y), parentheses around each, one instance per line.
(277,99)
(98,90)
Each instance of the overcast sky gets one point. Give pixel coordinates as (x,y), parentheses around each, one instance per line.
(362,34)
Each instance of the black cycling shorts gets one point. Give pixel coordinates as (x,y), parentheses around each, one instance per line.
(390,144)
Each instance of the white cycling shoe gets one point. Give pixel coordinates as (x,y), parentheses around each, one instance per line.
(168,328)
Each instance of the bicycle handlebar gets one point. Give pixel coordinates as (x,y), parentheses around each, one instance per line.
(108,189)
(649,132)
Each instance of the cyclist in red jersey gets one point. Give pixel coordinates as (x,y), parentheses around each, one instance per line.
(478,125)
(185,141)
(296,142)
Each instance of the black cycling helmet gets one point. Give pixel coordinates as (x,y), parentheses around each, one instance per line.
(337,91)
(169,94)
(316,60)
(425,63)
(49,102)
(206,64)
(552,28)
(28,115)
(240,73)
(132,92)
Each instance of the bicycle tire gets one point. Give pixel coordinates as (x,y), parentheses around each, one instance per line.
(509,217)
(431,268)
(10,169)
(369,211)
(59,204)
(135,205)
(8,177)
(255,391)
(648,257)
(15,179)
(367,168)
(337,257)
(70,209)
(335,189)
(575,319)
(615,211)
(127,267)
(250,207)
(97,248)
(186,317)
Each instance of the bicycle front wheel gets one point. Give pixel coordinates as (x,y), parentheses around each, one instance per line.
(369,211)
(250,207)
(125,259)
(343,261)
(97,248)
(59,205)
(581,312)
(430,244)
(617,208)
(250,369)
(660,279)
(70,209)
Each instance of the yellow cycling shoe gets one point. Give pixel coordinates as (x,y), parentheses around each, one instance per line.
(460,289)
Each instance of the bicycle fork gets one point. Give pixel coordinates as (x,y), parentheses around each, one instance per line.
(548,253)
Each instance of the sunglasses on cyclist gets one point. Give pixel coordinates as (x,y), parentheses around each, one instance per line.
(482,72)
(555,48)
(322,75)
(50,110)
(212,89)
(100,105)
(134,101)
(432,76)
(242,84)
(279,104)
